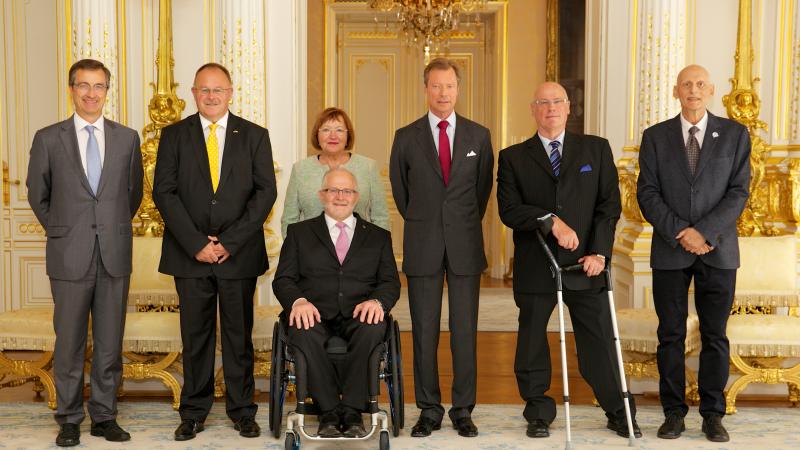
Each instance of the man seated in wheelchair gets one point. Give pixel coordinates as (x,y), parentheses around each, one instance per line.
(337,276)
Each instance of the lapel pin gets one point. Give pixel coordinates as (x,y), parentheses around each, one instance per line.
(714,134)
(236,131)
(472,153)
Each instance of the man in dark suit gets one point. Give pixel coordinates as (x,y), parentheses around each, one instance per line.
(564,185)
(441,174)
(337,276)
(85,185)
(214,186)
(693,184)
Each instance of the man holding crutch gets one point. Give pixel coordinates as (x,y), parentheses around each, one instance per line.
(565,186)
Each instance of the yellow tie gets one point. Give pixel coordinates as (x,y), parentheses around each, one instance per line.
(212,147)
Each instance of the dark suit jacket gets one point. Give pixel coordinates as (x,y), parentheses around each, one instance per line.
(192,210)
(439,218)
(309,268)
(60,196)
(710,201)
(585,196)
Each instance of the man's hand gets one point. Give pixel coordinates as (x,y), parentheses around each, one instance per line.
(219,250)
(303,314)
(693,241)
(566,236)
(207,254)
(369,311)
(592,265)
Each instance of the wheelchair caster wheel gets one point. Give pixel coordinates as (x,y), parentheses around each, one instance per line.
(292,442)
(384,445)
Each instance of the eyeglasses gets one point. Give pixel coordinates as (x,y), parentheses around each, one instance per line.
(339,131)
(86,87)
(554,102)
(216,91)
(335,191)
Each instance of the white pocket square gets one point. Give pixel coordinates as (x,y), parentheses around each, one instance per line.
(715,134)
(471,153)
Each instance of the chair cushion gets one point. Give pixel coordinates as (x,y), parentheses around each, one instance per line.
(264,318)
(152,332)
(27,329)
(638,326)
(768,272)
(764,335)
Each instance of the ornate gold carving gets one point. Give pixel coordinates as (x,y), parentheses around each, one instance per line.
(759,370)
(372,35)
(741,310)
(551,67)
(30,228)
(158,308)
(35,371)
(628,169)
(165,108)
(7,182)
(144,366)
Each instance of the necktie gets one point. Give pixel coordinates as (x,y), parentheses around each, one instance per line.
(212,147)
(692,149)
(93,165)
(342,243)
(444,151)
(555,157)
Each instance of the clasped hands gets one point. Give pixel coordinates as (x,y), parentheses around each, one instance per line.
(213,252)
(593,265)
(693,241)
(304,314)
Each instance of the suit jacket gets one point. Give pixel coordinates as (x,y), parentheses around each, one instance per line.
(309,268)
(711,201)
(60,196)
(235,213)
(441,218)
(585,196)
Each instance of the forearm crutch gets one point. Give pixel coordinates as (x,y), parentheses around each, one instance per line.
(626,395)
(557,270)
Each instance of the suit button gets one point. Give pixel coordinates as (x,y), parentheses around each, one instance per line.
(559,207)
(341,295)
(341,272)
(94,227)
(213,202)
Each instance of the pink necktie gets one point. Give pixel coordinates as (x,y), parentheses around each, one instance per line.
(342,244)
(444,151)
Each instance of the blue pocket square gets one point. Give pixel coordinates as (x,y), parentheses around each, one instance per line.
(586,168)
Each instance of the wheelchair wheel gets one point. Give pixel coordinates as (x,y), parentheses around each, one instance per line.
(396,386)
(277,385)
(384,443)
(292,442)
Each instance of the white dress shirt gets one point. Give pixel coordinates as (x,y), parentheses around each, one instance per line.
(450,130)
(701,132)
(222,125)
(546,142)
(350,228)
(83,138)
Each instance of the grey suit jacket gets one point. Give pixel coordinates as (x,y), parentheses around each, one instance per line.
(60,196)
(711,201)
(439,218)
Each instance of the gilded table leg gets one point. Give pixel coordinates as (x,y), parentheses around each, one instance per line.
(36,368)
(219,383)
(794,393)
(142,368)
(692,390)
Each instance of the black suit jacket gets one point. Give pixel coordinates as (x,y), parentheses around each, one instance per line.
(585,196)
(439,218)
(711,201)
(309,268)
(192,210)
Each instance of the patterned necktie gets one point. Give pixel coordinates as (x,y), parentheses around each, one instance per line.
(212,147)
(93,165)
(555,157)
(444,151)
(692,149)
(342,243)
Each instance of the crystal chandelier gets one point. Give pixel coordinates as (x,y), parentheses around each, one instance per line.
(427,22)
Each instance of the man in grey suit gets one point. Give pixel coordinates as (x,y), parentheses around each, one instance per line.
(441,174)
(85,185)
(693,185)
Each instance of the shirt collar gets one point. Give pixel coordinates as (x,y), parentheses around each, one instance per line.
(81,123)
(350,222)
(434,120)
(546,142)
(701,125)
(222,122)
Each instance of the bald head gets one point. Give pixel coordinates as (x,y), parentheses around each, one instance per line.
(550,109)
(694,90)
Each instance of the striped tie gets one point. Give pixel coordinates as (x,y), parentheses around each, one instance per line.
(555,157)
(212,146)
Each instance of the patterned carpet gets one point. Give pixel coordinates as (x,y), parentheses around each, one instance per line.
(30,426)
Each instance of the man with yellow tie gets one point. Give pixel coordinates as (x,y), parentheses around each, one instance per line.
(214,186)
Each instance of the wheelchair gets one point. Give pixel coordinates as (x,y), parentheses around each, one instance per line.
(385,362)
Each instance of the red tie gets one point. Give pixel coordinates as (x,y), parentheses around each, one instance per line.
(444,151)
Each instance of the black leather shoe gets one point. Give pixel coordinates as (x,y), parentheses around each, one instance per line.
(188,429)
(465,427)
(329,425)
(353,426)
(424,427)
(69,435)
(672,427)
(247,427)
(715,432)
(620,426)
(110,430)
(538,428)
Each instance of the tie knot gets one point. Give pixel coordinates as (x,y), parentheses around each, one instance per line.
(443,124)
(341,225)
(213,127)
(555,144)
(693,130)
(90,129)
